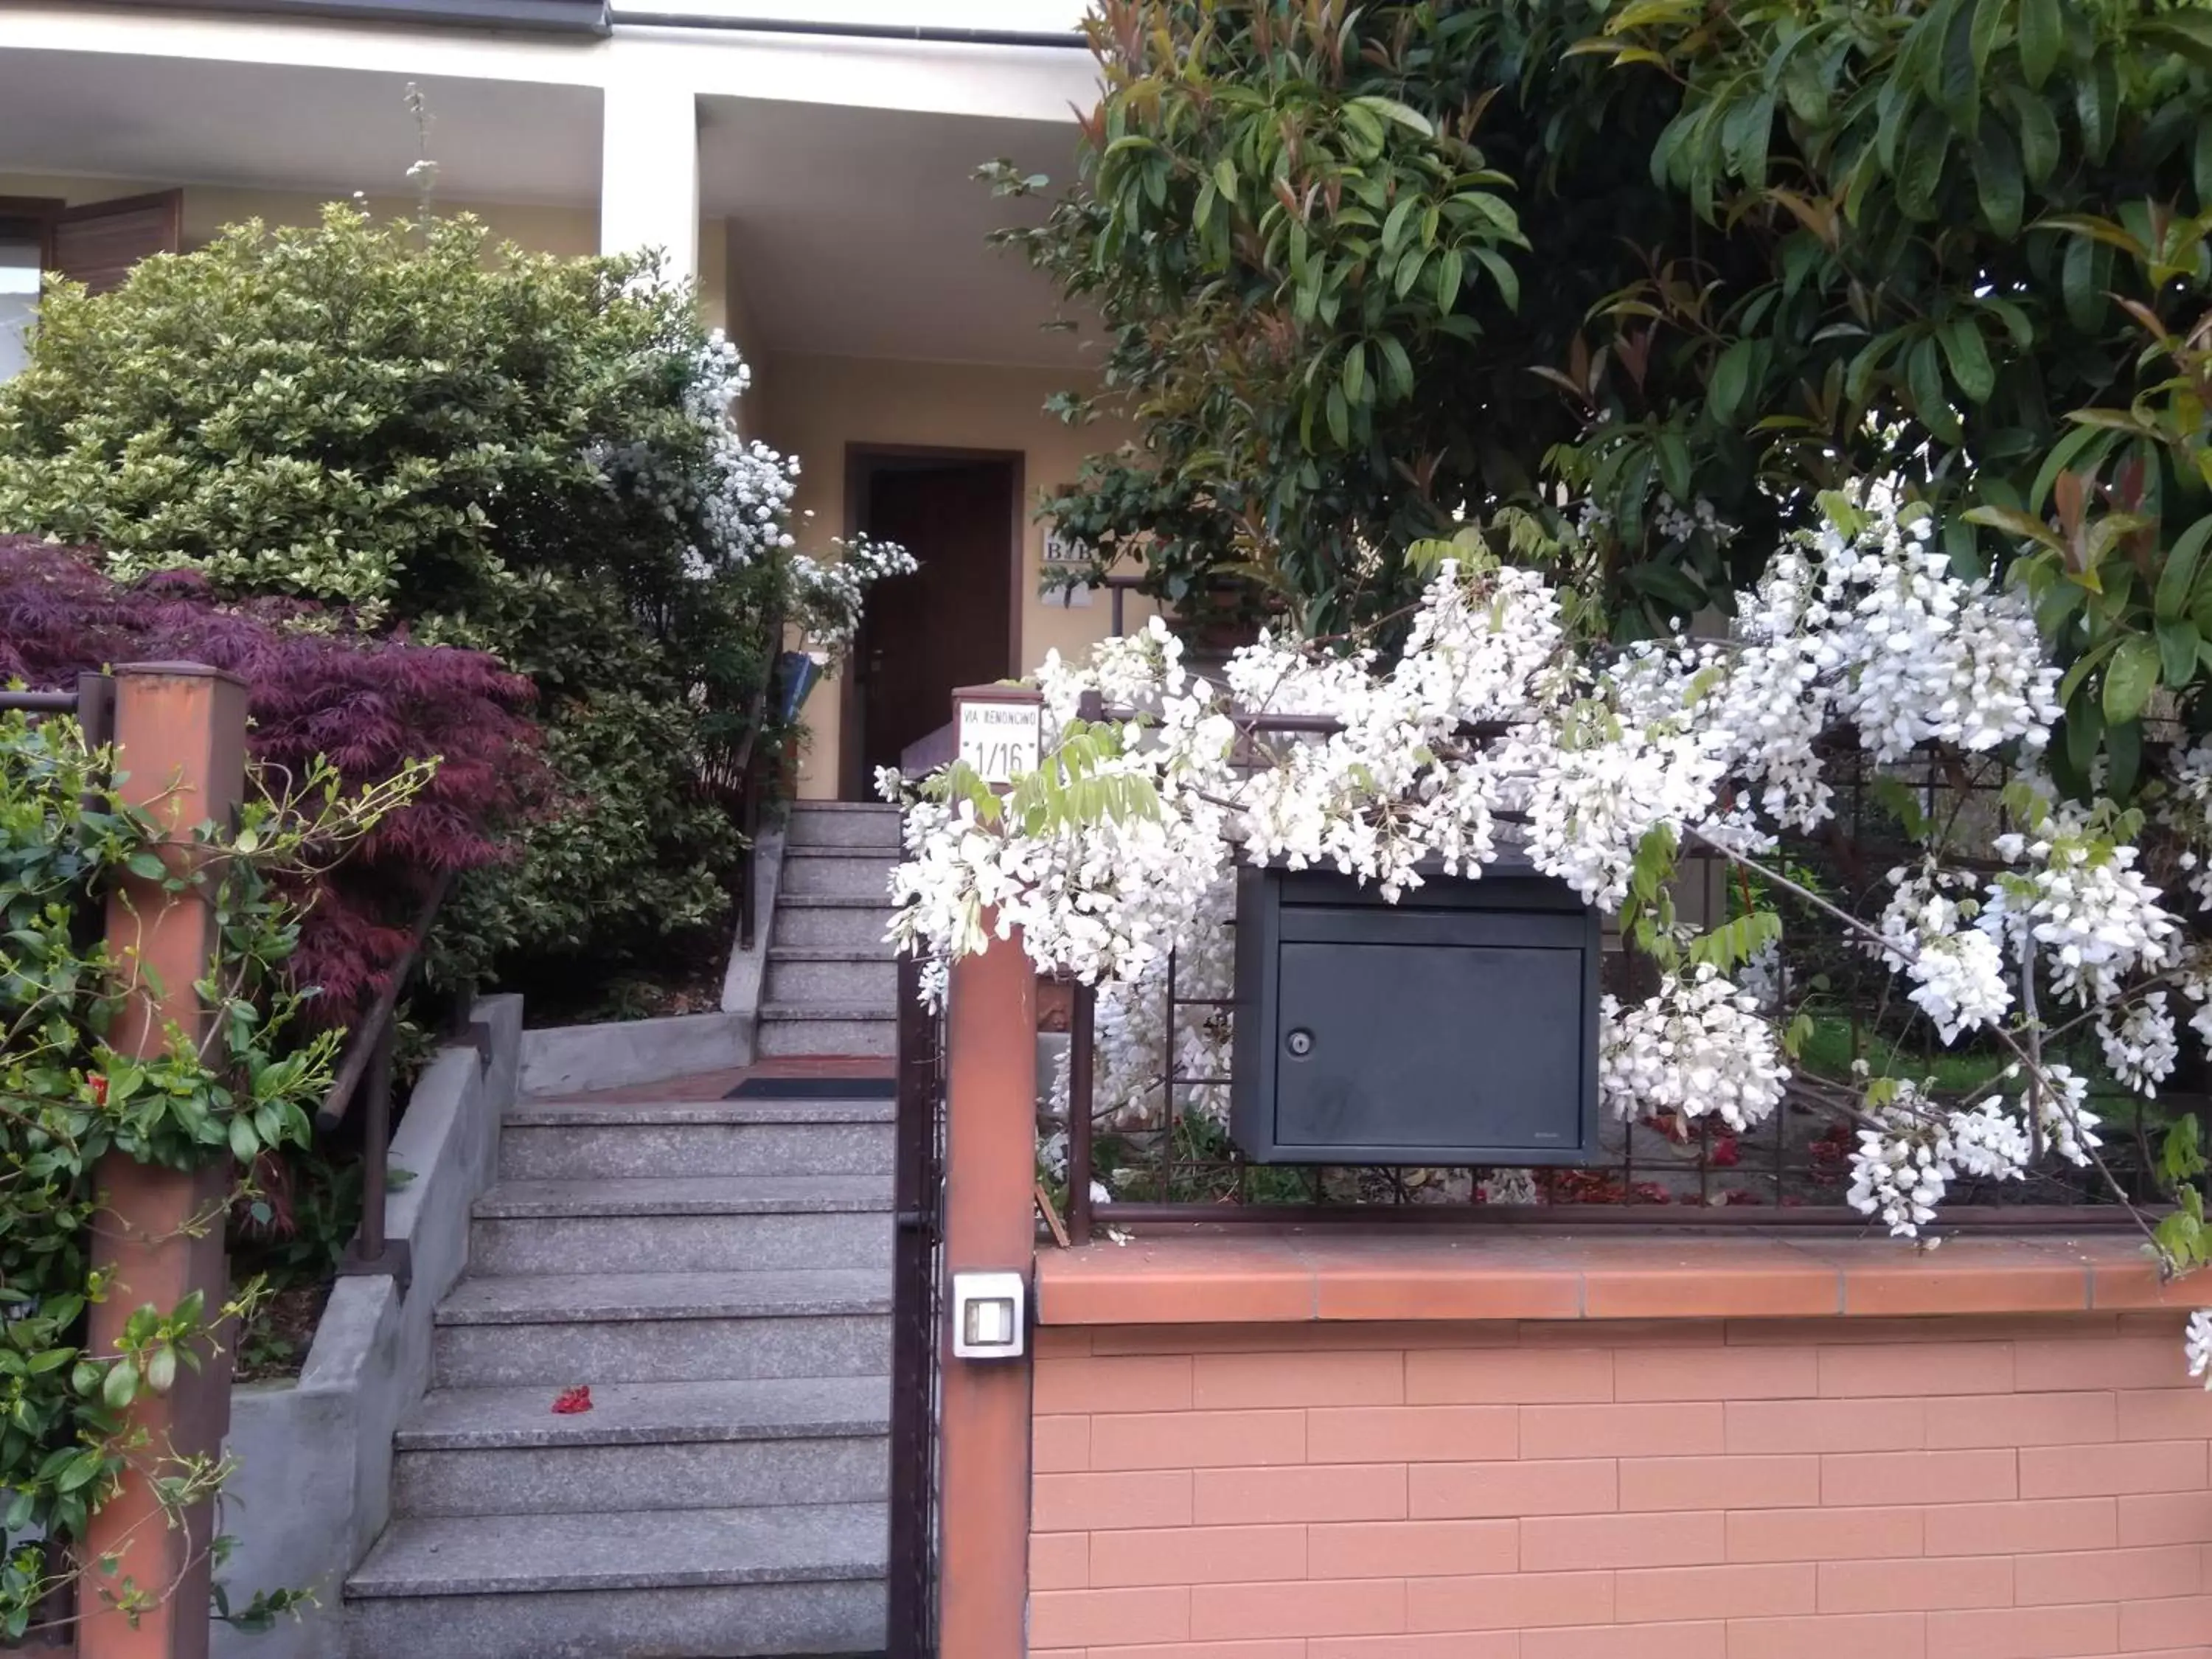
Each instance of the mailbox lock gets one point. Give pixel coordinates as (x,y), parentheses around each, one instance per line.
(1300,1043)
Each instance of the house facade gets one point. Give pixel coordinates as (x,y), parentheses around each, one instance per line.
(807,163)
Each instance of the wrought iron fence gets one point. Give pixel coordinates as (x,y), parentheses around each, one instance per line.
(918,1307)
(1160,1152)
(90,701)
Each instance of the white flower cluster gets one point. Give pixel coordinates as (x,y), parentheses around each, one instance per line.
(2185,810)
(1134,1060)
(1872,629)
(730,502)
(1930,659)
(826,594)
(744,499)
(1698,1047)
(2083,900)
(2197,1344)
(2061,1110)
(2139,1044)
(1957,971)
(1906,1164)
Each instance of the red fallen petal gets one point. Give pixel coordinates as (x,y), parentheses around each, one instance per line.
(573,1400)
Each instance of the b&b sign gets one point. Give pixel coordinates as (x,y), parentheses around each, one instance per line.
(1001,740)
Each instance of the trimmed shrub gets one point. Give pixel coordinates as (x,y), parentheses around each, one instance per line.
(474,447)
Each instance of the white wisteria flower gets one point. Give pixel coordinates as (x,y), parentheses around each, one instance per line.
(1698,1047)
(2139,1044)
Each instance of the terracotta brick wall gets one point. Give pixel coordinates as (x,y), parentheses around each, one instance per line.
(1765,1489)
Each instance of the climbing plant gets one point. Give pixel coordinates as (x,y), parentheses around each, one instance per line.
(69,1098)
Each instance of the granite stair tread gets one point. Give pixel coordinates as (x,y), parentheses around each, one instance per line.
(648,1413)
(827,1011)
(883,951)
(563,1299)
(560,1114)
(656,1195)
(638,1549)
(836,902)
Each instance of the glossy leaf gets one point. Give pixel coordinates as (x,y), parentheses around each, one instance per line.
(2129,678)
(2041,35)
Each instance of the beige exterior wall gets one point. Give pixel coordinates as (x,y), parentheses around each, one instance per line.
(815,407)
(541,227)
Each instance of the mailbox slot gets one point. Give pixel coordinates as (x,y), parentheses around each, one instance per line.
(1458,1026)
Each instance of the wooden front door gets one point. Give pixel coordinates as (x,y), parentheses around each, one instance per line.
(951,623)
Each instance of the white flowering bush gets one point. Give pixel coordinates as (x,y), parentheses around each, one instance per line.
(1491,736)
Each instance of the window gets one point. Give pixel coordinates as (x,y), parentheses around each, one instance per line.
(96,245)
(25,249)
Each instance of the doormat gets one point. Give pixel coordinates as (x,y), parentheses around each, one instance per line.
(815,1088)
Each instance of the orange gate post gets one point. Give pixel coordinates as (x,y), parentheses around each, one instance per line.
(990,1180)
(181,739)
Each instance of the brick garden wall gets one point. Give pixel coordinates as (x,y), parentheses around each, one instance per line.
(1953,1488)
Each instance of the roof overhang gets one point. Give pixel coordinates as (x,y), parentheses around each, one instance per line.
(544,17)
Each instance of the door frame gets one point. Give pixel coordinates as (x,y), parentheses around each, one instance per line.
(859,470)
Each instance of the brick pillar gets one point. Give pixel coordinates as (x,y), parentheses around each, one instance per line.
(180,738)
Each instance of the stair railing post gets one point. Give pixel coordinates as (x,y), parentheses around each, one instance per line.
(180,735)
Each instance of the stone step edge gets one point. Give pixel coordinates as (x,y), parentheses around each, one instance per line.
(706,1114)
(884,952)
(841,850)
(864,1307)
(366,1585)
(470,1319)
(542,1432)
(816,1012)
(493,1206)
(420,1441)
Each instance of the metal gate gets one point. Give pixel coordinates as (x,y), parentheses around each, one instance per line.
(917,1310)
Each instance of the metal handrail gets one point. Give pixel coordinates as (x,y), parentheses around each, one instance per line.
(365,1071)
(1091,706)
(92,699)
(749,790)
(1120,587)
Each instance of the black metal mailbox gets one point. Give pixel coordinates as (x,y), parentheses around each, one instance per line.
(1458,1026)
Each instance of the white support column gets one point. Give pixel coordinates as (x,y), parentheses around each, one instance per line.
(649,174)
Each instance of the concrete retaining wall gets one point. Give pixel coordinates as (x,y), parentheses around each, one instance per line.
(312,1487)
(570,1059)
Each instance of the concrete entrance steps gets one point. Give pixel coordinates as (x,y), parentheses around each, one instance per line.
(832,986)
(718,1273)
(792,1579)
